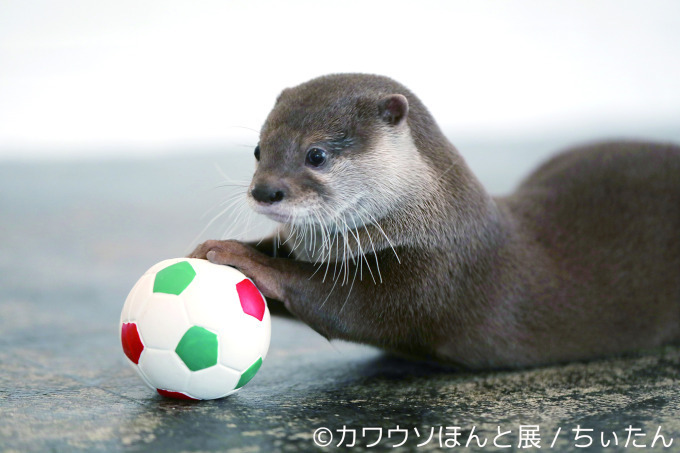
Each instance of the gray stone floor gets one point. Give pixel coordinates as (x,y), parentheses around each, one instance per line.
(74,238)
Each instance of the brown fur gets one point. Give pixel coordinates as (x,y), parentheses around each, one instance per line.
(582,261)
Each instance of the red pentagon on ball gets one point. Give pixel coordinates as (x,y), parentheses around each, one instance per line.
(252,302)
(132,343)
(177,395)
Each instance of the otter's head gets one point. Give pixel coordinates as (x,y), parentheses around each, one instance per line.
(334,150)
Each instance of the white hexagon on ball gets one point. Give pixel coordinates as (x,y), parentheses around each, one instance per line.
(212,382)
(213,288)
(166,334)
(164,370)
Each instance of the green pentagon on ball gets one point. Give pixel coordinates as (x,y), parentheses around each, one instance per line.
(198,348)
(174,279)
(249,373)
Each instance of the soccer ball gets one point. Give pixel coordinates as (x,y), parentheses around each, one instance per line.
(195,330)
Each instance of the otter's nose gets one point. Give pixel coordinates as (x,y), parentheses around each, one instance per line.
(264,193)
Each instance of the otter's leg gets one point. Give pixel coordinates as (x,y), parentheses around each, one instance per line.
(335,310)
(271,247)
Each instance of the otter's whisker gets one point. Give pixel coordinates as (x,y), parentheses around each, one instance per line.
(230,200)
(346,253)
(250,129)
(375,222)
(350,289)
(327,244)
(363,254)
(235,221)
(229,179)
(317,261)
(318,254)
(291,235)
(233,200)
(359,250)
(375,253)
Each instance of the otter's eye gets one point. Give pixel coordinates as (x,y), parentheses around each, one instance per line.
(257,152)
(316,157)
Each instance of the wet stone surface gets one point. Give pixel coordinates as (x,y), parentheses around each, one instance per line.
(76,236)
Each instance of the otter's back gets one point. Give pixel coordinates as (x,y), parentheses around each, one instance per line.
(607,217)
(624,195)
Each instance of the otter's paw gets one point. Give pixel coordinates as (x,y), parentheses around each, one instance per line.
(255,265)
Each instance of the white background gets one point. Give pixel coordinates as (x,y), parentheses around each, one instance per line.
(116,77)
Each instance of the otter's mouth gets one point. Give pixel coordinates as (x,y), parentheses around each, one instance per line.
(275,213)
(291,215)
(281,218)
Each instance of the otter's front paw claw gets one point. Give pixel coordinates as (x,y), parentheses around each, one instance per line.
(201,252)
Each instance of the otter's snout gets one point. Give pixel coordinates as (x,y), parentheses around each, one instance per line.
(267,193)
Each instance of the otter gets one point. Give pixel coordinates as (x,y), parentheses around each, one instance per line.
(387,238)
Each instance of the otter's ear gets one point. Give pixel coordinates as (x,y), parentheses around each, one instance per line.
(393,109)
